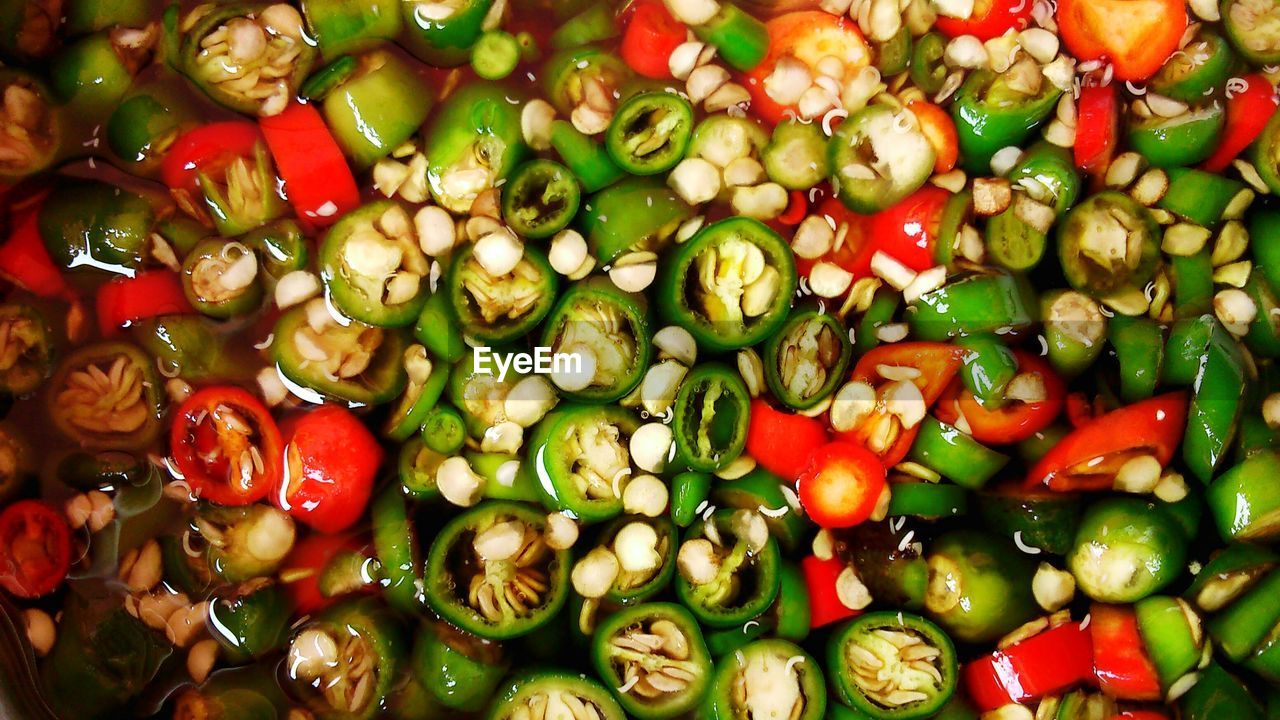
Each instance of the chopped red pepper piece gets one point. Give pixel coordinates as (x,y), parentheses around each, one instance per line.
(1120,660)
(301,570)
(651,35)
(1097,127)
(207,149)
(227,446)
(1089,457)
(35,549)
(821,577)
(1049,662)
(990,19)
(781,442)
(317,179)
(330,461)
(1248,111)
(940,129)
(149,293)
(840,484)
(1013,422)
(25,261)
(1135,36)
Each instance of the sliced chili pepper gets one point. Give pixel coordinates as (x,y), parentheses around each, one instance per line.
(1120,662)
(301,570)
(797,209)
(207,149)
(1046,663)
(840,485)
(35,549)
(123,301)
(941,131)
(908,230)
(1135,37)
(781,441)
(1089,457)
(1097,127)
(861,648)
(1248,111)
(25,261)
(989,19)
(651,35)
(317,179)
(1013,421)
(226,445)
(808,36)
(330,460)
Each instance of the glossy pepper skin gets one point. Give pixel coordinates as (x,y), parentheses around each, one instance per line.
(445,41)
(364,123)
(1126,533)
(979,585)
(331,459)
(717,324)
(746,582)
(843,663)
(343,26)
(635,214)
(91,225)
(1244,502)
(381,381)
(612,661)
(459,670)
(711,414)
(587,313)
(990,115)
(477,129)
(251,621)
(360,282)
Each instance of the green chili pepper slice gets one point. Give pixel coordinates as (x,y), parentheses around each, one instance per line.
(878,157)
(342,26)
(1250,26)
(651,569)
(595,318)
(1241,627)
(761,490)
(238,548)
(1139,346)
(1183,140)
(443,430)
(650,133)
(1048,175)
(1265,155)
(926,69)
(893,56)
(1170,630)
(1245,502)
(416,466)
(740,38)
(92,74)
(588,159)
(242,196)
(988,367)
(1192,284)
(220,279)
(635,215)
(1229,574)
(535,688)
(475,390)
(92,225)
(281,247)
(796,156)
(730,285)
(994,111)
(743,569)
(979,586)
(373,268)
(358,113)
(1108,243)
(893,570)
(807,358)
(955,455)
(579,457)
(573,75)
(661,645)
(437,328)
(353,362)
(1200,197)
(594,24)
(495,55)
(1200,67)
(474,143)
(192,346)
(499,309)
(328,78)
(26,348)
(540,199)
(927,500)
(916,654)
(988,302)
(1220,385)
(442,34)
(689,492)
(121,411)
(395,541)
(206,58)
(147,121)
(326,654)
(1075,330)
(496,598)
(425,384)
(250,620)
(458,669)
(767,678)
(1125,550)
(711,411)
(1043,520)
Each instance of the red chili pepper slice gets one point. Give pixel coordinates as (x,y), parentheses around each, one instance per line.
(1015,421)
(1089,457)
(25,261)
(1248,111)
(908,231)
(227,446)
(651,35)
(937,364)
(330,462)
(797,209)
(820,576)
(123,301)
(781,442)
(808,36)
(1049,662)
(1135,36)
(35,549)
(940,129)
(317,180)
(300,571)
(1120,661)
(207,149)
(990,19)
(1097,127)
(840,484)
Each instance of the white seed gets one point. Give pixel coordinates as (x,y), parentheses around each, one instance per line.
(1206,10)
(695,180)
(529,401)
(41,631)
(851,591)
(499,252)
(271,386)
(458,483)
(634,277)
(1235,309)
(705,80)
(697,561)
(650,445)
(562,531)
(645,495)
(955,180)
(851,405)
(568,251)
(892,332)
(575,377)
(1060,134)
(1271,410)
(740,466)
(887,268)
(1053,588)
(744,171)
(1235,274)
(436,230)
(965,51)
(675,342)
(751,368)
(296,287)
(814,238)
(788,81)
(535,123)
(816,102)
(685,58)
(201,658)
(904,400)
(1138,475)
(824,545)
(926,281)
(1184,239)
(499,542)
(1027,388)
(636,547)
(312,654)
(1011,711)
(1172,487)
(1005,159)
(1039,44)
(594,574)
(693,12)
(829,280)
(1165,106)
(991,196)
(505,437)
(959,9)
(762,202)
(141,568)
(728,95)
(660,384)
